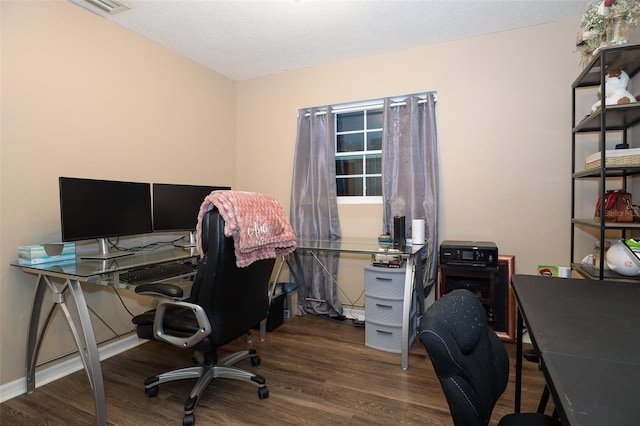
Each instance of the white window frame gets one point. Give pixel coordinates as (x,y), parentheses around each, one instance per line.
(361,106)
(358,199)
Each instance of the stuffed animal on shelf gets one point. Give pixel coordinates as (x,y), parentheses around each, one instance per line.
(615,88)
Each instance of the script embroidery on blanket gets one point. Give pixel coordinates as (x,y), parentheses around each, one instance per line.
(258,230)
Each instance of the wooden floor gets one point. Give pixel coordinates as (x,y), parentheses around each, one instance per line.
(318,371)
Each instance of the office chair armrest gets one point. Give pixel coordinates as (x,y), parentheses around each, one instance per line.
(162,290)
(204,326)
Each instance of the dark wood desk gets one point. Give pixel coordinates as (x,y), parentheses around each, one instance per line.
(593,391)
(588,335)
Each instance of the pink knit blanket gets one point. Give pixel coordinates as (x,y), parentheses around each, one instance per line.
(257,223)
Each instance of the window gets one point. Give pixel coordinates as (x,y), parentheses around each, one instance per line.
(358,151)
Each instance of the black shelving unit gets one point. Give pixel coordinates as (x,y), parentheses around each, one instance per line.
(607,119)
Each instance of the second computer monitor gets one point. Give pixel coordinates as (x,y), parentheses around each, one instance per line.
(176,207)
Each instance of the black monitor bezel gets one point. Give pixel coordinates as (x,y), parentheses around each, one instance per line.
(185,222)
(72,208)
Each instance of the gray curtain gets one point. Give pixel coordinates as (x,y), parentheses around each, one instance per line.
(410,173)
(314,210)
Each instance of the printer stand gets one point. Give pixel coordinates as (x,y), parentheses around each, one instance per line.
(479,280)
(493,288)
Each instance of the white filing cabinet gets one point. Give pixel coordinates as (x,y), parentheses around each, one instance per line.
(384,296)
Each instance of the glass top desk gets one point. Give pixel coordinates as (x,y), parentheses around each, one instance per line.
(63,279)
(412,289)
(355,245)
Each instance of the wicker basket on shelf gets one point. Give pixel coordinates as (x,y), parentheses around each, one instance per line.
(614,158)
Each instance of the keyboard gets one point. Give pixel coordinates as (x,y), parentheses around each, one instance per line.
(158,273)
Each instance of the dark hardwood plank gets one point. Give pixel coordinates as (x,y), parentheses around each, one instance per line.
(318,371)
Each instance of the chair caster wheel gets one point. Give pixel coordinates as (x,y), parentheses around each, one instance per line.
(188,420)
(255,360)
(152,392)
(263,392)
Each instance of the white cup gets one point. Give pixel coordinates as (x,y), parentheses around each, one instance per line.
(417,231)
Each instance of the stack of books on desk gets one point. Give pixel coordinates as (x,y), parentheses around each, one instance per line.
(387,260)
(46,253)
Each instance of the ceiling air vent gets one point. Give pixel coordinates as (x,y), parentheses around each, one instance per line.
(110,6)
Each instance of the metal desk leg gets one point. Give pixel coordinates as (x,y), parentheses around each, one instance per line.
(518,393)
(298,277)
(85,338)
(407,333)
(33,337)
(89,351)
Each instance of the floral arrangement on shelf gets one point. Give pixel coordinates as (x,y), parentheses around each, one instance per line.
(629,9)
(601,21)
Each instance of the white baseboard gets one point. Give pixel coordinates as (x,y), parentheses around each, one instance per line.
(353,313)
(49,374)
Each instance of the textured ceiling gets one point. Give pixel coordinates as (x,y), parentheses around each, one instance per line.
(244,39)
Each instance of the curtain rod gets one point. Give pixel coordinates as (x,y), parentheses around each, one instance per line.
(365,107)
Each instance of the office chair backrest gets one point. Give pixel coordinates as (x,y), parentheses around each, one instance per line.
(468,358)
(235,299)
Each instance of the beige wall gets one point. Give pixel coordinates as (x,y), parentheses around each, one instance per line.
(504,106)
(84,97)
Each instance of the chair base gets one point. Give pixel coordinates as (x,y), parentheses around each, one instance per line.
(205,374)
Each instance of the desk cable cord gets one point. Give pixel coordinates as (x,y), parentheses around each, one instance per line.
(123,304)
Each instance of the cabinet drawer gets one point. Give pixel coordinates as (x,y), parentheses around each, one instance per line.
(384,282)
(383,337)
(383,311)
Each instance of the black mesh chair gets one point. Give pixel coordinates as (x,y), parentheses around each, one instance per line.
(470,361)
(225,303)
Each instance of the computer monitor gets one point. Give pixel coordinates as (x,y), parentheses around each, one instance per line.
(176,207)
(100,209)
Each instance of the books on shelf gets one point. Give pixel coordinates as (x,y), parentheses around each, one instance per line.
(387,260)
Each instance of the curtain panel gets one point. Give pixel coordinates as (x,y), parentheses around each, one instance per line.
(410,172)
(314,210)
(409,188)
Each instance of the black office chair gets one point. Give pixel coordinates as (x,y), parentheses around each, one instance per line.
(470,361)
(225,303)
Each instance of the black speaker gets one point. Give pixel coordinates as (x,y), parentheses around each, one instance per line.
(500,296)
(399,232)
